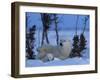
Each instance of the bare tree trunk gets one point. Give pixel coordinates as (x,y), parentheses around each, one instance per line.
(85,21)
(46,35)
(57,35)
(84,28)
(57,39)
(76,25)
(26,21)
(43,35)
(45,22)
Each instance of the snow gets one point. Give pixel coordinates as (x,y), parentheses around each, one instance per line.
(56,62)
(85,59)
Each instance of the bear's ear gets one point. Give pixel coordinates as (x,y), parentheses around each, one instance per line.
(61,44)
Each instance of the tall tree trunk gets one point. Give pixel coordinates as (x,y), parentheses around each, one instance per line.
(85,21)
(43,33)
(46,36)
(27,42)
(76,25)
(46,22)
(57,39)
(84,28)
(57,35)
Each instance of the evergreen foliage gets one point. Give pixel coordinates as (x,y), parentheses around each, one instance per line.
(30,40)
(82,42)
(75,50)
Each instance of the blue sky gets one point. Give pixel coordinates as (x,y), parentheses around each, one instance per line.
(66,21)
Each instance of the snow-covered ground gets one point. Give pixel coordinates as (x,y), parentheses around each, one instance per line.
(70,61)
(56,62)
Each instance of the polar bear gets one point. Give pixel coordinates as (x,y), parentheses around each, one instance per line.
(49,52)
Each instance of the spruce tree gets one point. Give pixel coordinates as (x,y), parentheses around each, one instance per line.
(75,49)
(30,42)
(82,37)
(82,42)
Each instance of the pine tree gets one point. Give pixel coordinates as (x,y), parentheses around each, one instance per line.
(82,42)
(30,42)
(75,49)
(82,37)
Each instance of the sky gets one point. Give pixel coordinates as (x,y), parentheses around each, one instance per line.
(66,21)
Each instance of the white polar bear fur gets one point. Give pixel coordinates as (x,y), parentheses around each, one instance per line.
(60,52)
(48,57)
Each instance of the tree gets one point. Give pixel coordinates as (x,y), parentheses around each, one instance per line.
(46,21)
(86,18)
(82,37)
(30,42)
(76,48)
(56,28)
(82,42)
